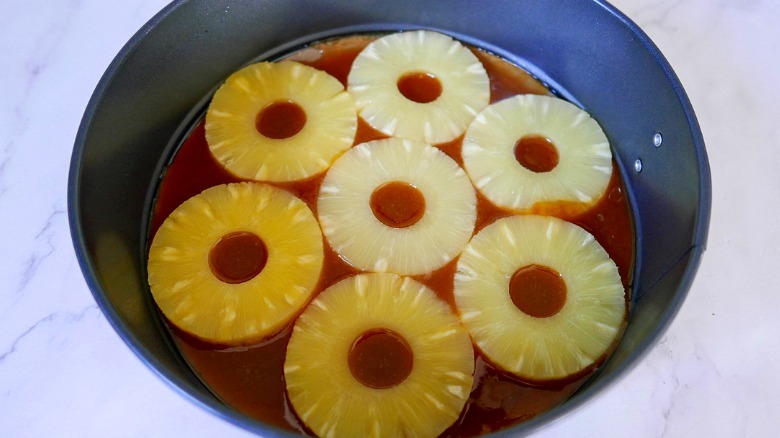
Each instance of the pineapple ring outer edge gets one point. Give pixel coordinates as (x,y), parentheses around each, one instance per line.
(373,79)
(331,122)
(585,159)
(178,263)
(539,348)
(357,235)
(330,400)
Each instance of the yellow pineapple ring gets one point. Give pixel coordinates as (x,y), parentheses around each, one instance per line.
(277,95)
(566,339)
(322,383)
(187,287)
(430,59)
(584,159)
(353,229)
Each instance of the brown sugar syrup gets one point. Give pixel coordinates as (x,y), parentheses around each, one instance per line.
(251,378)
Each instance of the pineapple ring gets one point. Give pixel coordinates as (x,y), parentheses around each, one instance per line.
(348,222)
(374,84)
(331,401)
(191,295)
(535,348)
(232,122)
(584,165)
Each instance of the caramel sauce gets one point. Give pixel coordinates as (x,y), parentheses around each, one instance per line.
(420,87)
(538,291)
(192,171)
(397,204)
(251,378)
(280,120)
(380,359)
(536,153)
(238,257)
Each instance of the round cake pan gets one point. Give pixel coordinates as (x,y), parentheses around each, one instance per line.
(586,51)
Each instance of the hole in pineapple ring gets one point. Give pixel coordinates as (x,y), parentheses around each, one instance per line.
(420,87)
(238,257)
(380,359)
(536,153)
(280,120)
(397,204)
(538,291)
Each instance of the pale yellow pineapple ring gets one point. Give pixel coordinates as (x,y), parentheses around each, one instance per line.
(331,122)
(357,235)
(195,300)
(585,159)
(331,402)
(373,83)
(539,348)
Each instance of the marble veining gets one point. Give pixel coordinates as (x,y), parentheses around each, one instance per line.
(45,237)
(65,372)
(52,318)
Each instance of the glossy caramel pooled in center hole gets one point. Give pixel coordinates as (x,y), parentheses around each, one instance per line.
(420,87)
(538,291)
(280,120)
(398,204)
(380,359)
(238,257)
(536,153)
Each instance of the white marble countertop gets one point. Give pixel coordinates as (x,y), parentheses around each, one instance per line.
(65,372)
